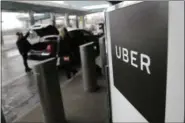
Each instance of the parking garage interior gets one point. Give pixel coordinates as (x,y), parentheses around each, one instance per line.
(121,76)
(20,96)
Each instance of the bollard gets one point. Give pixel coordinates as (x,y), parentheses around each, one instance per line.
(87,55)
(102,54)
(49,91)
(3,120)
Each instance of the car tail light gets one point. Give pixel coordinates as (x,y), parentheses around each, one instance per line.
(49,48)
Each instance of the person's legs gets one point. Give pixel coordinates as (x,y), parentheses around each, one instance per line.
(72,65)
(25,58)
(70,70)
(67,70)
(73,70)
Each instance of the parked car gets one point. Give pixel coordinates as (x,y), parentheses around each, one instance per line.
(49,43)
(47,46)
(80,37)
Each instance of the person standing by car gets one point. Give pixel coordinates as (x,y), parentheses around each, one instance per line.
(66,53)
(23,46)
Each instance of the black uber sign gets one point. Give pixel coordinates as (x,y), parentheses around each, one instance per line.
(139,35)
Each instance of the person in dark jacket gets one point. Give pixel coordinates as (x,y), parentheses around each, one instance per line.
(66,54)
(23,46)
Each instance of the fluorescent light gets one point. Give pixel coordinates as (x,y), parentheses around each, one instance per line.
(96,6)
(72,16)
(59,2)
(60,17)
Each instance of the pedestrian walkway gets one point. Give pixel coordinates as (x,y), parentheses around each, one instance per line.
(8,47)
(19,89)
(79,106)
(21,94)
(12,66)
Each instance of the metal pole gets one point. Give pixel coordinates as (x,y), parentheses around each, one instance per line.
(49,91)
(88,67)
(102,53)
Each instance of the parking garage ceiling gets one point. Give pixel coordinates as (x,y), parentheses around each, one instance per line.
(70,7)
(40,7)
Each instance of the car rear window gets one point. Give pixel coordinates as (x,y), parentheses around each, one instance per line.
(51,38)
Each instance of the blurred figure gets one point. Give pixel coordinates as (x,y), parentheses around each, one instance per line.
(66,53)
(23,46)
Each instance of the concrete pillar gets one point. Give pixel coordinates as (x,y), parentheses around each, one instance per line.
(66,20)
(77,22)
(26,24)
(82,22)
(53,19)
(32,20)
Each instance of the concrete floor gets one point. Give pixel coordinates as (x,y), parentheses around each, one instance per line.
(12,66)
(79,106)
(19,95)
(84,107)
(19,90)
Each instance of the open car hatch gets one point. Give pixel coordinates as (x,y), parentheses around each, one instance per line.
(45,30)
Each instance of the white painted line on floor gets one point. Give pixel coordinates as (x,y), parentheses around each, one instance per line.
(25,74)
(26,113)
(12,53)
(13,79)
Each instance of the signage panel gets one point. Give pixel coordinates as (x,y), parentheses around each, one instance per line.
(139,40)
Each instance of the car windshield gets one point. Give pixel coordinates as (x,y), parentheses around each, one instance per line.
(86,33)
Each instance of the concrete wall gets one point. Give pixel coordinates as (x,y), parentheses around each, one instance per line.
(122,109)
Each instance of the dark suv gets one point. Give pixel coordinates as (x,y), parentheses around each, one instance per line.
(49,43)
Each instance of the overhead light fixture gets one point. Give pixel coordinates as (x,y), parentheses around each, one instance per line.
(96,6)
(59,2)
